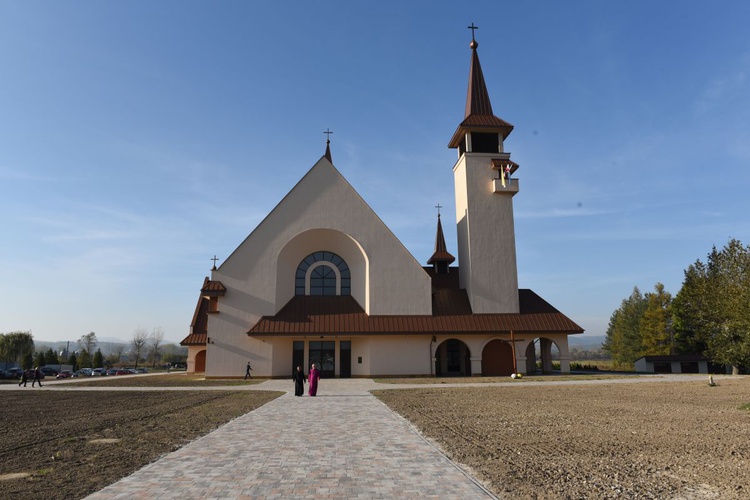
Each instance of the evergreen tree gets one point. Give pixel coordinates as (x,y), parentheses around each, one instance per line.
(51,357)
(623,340)
(73,361)
(39,359)
(98,361)
(712,310)
(656,332)
(689,310)
(84,359)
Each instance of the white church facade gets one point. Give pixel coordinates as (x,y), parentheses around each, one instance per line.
(323,280)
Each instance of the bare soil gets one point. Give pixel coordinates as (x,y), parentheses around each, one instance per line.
(644,440)
(66,445)
(612,440)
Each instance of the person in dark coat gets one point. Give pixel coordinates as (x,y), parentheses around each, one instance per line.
(37,377)
(299,381)
(248,369)
(24,378)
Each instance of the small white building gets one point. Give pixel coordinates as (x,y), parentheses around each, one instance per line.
(678,363)
(323,280)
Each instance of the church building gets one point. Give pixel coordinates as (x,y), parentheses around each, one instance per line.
(323,280)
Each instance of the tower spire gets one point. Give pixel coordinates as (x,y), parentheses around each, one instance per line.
(478,116)
(328,146)
(440,259)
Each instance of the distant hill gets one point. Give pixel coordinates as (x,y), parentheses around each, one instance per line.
(586,342)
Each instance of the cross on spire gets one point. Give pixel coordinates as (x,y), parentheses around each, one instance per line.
(214,259)
(328,135)
(473,28)
(438,206)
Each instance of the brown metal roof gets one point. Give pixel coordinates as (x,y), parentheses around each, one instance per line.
(194,339)
(213,288)
(441,250)
(478,115)
(315,315)
(199,326)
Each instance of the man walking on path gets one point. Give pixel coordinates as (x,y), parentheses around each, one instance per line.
(247,371)
(24,378)
(37,377)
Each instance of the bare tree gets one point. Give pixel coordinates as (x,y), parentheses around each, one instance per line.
(88,342)
(140,338)
(157,337)
(115,352)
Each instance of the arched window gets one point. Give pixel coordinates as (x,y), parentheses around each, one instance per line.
(322,273)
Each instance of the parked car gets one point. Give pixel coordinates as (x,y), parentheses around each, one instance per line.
(64,374)
(85,372)
(98,372)
(111,371)
(13,373)
(123,371)
(141,370)
(46,370)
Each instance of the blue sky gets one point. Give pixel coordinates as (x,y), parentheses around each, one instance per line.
(138,139)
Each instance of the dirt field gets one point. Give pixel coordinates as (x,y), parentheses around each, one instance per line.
(650,440)
(646,440)
(68,444)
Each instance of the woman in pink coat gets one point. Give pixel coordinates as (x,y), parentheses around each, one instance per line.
(312,379)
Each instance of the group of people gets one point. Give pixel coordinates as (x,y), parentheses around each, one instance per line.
(300,378)
(36,374)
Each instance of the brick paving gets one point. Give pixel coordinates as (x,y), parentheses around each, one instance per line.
(344,443)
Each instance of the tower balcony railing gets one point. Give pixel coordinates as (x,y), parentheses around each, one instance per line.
(509,186)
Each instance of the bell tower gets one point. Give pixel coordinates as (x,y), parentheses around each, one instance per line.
(485,186)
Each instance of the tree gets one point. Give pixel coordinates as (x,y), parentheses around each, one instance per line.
(88,342)
(15,346)
(688,311)
(657,334)
(73,361)
(98,361)
(84,359)
(51,357)
(28,361)
(713,306)
(157,337)
(140,338)
(623,340)
(39,359)
(115,353)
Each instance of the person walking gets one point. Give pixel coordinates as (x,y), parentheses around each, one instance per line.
(37,377)
(248,369)
(299,381)
(24,378)
(312,379)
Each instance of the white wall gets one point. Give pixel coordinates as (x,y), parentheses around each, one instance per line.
(486,235)
(322,212)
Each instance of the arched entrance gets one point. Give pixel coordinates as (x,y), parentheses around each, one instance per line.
(452,359)
(200,362)
(531,358)
(497,359)
(547,351)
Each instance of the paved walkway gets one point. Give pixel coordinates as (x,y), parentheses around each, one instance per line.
(344,443)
